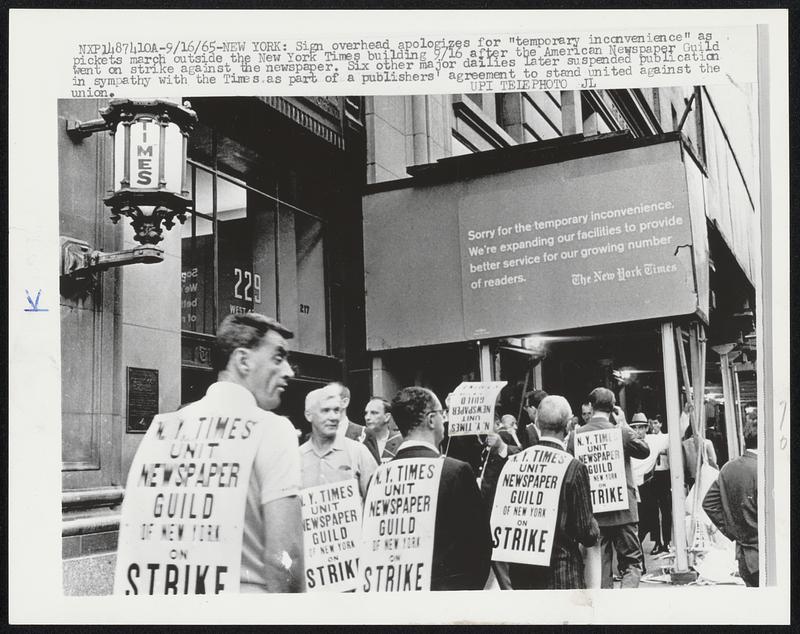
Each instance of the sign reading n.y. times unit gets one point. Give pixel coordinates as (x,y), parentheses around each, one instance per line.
(525,507)
(183,512)
(331,535)
(601,451)
(399,525)
(472,408)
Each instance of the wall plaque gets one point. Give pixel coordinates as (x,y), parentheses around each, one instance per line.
(142,399)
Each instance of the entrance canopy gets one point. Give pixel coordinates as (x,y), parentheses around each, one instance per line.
(593,233)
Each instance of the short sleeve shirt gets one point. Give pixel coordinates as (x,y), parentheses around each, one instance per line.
(275,473)
(343,460)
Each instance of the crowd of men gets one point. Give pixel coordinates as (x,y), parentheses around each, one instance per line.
(250,356)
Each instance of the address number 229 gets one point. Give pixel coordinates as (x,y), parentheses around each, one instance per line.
(247,286)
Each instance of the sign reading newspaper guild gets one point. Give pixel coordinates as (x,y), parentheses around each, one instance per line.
(472,408)
(525,506)
(601,451)
(183,512)
(398,529)
(331,535)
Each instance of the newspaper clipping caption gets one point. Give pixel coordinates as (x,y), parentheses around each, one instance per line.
(472,408)
(399,525)
(182,516)
(602,453)
(331,535)
(499,256)
(375,65)
(525,507)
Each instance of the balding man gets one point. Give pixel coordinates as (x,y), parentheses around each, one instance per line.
(618,529)
(328,456)
(575,523)
(508,430)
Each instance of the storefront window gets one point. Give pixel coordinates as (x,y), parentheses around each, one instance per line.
(245,249)
(197,251)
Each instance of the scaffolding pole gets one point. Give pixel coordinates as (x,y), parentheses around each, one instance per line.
(680,572)
(731,435)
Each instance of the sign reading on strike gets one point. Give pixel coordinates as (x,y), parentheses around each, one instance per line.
(331,535)
(525,506)
(472,408)
(398,529)
(601,451)
(183,512)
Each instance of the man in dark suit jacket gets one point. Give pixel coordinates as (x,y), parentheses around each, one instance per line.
(618,529)
(462,544)
(529,436)
(382,437)
(732,504)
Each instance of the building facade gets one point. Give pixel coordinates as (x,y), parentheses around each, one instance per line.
(286,220)
(274,227)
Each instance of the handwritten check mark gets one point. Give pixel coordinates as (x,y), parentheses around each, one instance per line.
(34,303)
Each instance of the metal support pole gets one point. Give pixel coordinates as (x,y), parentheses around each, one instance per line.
(727,394)
(698,359)
(536,379)
(485,361)
(680,573)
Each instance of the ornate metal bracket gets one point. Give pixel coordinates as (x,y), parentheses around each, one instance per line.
(81,265)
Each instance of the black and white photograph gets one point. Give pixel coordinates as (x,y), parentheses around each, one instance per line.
(460,342)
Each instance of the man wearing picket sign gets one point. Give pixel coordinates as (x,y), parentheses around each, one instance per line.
(569,504)
(328,456)
(425,526)
(336,471)
(619,527)
(211,502)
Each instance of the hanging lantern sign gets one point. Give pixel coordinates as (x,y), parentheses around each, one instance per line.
(150,180)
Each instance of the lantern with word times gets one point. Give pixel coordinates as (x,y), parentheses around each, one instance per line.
(150,180)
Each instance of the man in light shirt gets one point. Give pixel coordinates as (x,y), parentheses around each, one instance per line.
(327,456)
(662,492)
(644,477)
(251,358)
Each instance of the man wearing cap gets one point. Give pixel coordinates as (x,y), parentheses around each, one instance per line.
(618,529)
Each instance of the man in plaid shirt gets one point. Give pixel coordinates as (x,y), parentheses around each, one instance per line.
(575,523)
